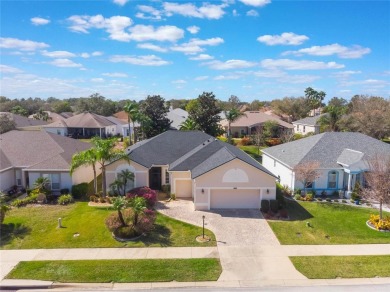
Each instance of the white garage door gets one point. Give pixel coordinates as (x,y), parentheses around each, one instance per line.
(235,199)
(183,188)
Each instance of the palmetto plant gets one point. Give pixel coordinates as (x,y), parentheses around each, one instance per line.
(232,116)
(188,125)
(42,183)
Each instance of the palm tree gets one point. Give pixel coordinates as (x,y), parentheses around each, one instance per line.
(42,183)
(106,153)
(144,121)
(131,108)
(85,158)
(188,125)
(138,205)
(124,176)
(330,121)
(119,204)
(232,116)
(41,115)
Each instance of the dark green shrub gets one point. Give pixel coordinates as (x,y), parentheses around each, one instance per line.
(356,192)
(280,198)
(309,196)
(64,191)
(329,200)
(298,192)
(65,199)
(298,197)
(274,206)
(264,206)
(80,190)
(166,188)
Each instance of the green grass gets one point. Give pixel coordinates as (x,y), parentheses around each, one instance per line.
(36,227)
(119,271)
(332,267)
(252,150)
(332,223)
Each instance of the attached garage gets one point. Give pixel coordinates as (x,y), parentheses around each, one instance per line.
(235,199)
(183,188)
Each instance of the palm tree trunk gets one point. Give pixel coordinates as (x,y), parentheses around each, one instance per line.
(94,179)
(121,218)
(229,132)
(104,183)
(129,130)
(135,138)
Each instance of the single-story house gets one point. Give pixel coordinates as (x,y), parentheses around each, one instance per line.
(307,125)
(24,123)
(342,157)
(177,116)
(248,123)
(197,166)
(87,125)
(27,155)
(55,117)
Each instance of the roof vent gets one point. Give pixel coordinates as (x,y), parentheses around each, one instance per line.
(204,144)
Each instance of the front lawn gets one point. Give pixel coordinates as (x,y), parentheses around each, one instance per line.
(332,267)
(331,223)
(252,150)
(119,271)
(83,226)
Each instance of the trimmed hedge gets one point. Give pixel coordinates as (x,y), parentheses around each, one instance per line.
(264,206)
(80,190)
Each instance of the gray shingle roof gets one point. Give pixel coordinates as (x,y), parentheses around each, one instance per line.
(188,150)
(21,121)
(309,121)
(41,149)
(326,148)
(349,157)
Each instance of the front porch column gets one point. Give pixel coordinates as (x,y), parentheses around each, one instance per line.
(349,182)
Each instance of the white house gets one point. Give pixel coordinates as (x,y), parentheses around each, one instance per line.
(342,157)
(307,125)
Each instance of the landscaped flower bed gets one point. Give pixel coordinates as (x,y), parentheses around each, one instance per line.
(379,224)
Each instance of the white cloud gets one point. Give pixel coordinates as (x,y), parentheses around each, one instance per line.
(286,38)
(115,75)
(298,79)
(85,55)
(352,52)
(200,78)
(230,64)
(154,13)
(120,2)
(253,13)
(256,3)
(180,81)
(23,45)
(345,74)
(149,60)
(227,77)
(93,54)
(152,47)
(58,54)
(194,45)
(9,69)
(97,79)
(235,13)
(64,63)
(193,29)
(39,21)
(289,64)
(270,73)
(202,57)
(97,53)
(209,11)
(168,33)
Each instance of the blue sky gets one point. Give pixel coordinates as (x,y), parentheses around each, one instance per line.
(255,49)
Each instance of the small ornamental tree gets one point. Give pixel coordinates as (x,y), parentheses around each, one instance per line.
(147,193)
(307,173)
(378,181)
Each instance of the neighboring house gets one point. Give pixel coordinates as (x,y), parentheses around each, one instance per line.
(177,116)
(86,125)
(23,123)
(248,124)
(27,155)
(342,157)
(197,166)
(307,125)
(55,117)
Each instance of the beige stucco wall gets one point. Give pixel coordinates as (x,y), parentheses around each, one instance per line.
(180,176)
(141,173)
(242,177)
(84,174)
(304,129)
(183,188)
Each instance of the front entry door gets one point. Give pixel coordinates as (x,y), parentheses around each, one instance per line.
(155,178)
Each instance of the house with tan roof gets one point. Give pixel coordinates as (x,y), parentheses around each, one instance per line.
(248,124)
(28,155)
(88,125)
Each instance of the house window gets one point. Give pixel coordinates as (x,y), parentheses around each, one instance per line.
(54,180)
(58,132)
(297,127)
(309,185)
(304,129)
(332,179)
(166,177)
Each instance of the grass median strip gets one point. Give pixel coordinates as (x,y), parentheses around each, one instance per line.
(332,267)
(119,271)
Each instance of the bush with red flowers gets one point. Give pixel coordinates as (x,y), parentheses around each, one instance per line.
(145,192)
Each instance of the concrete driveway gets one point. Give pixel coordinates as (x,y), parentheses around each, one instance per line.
(248,249)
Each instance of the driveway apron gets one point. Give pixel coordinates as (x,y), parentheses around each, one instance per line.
(247,247)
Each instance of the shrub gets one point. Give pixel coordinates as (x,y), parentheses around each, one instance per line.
(102,200)
(18,203)
(113,222)
(380,224)
(146,222)
(166,188)
(298,197)
(127,232)
(222,138)
(309,196)
(4,208)
(64,191)
(147,193)
(65,199)
(298,192)
(273,142)
(264,206)
(329,200)
(80,190)
(274,206)
(283,213)
(344,201)
(319,199)
(280,199)
(173,196)
(356,192)
(92,198)
(245,141)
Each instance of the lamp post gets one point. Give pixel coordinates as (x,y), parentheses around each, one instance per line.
(203,225)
